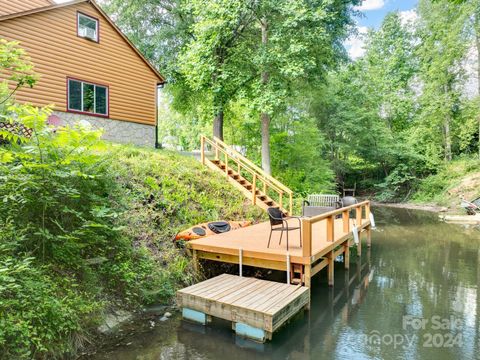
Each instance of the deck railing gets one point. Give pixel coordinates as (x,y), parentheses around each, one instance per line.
(259,179)
(362,214)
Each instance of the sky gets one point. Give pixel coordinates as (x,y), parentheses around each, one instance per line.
(373,12)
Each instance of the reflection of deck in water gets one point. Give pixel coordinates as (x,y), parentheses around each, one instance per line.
(297,339)
(323,239)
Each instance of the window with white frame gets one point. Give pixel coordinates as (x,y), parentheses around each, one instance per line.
(87,97)
(87,27)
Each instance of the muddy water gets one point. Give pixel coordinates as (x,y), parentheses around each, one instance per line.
(414,295)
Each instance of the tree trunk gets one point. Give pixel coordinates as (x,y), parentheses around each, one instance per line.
(218,125)
(448,139)
(477,41)
(265,117)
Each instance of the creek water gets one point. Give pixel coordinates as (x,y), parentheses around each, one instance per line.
(413,295)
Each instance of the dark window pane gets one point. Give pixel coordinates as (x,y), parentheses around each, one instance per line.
(101,100)
(88,98)
(74,95)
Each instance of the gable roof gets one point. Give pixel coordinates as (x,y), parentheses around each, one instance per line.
(10,9)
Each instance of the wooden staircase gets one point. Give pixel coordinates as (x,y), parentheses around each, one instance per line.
(262,189)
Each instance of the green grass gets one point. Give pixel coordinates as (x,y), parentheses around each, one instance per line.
(85,229)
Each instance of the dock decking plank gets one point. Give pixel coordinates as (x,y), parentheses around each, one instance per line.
(237,299)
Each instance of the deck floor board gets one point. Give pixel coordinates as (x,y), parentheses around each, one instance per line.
(254,239)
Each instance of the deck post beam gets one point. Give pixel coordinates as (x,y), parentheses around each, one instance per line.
(330,268)
(195,261)
(346,221)
(330,228)
(369,236)
(358,213)
(240,262)
(346,256)
(359,245)
(288,268)
(306,238)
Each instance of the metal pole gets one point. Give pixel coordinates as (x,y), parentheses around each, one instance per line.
(288,268)
(240,261)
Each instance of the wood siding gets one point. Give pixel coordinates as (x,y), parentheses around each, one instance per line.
(14,6)
(50,38)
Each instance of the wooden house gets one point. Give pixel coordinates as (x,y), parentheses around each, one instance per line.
(89,70)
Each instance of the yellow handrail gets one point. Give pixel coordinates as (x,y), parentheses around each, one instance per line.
(329,217)
(243,163)
(254,166)
(238,162)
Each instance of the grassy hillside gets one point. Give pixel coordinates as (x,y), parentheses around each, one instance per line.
(454,179)
(86,227)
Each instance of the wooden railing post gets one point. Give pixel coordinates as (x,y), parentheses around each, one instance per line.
(367,211)
(280,200)
(346,221)
(202,149)
(226,164)
(291,204)
(330,228)
(254,189)
(306,238)
(358,212)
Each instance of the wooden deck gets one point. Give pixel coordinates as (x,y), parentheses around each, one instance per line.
(324,237)
(257,308)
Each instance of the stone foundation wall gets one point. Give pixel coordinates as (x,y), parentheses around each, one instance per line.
(113,130)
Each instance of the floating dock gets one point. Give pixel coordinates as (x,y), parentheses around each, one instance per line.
(256,308)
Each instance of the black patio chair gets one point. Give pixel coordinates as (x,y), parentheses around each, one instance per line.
(279,222)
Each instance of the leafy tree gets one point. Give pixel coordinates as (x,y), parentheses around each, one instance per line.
(443,46)
(16,71)
(211,61)
(292,45)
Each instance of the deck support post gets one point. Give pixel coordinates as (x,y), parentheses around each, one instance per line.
(346,255)
(330,268)
(369,236)
(240,262)
(330,228)
(307,275)
(288,268)
(346,221)
(359,245)
(195,260)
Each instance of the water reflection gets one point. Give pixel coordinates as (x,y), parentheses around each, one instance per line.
(419,274)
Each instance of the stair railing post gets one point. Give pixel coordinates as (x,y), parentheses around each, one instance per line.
(202,149)
(280,201)
(291,203)
(226,164)
(254,189)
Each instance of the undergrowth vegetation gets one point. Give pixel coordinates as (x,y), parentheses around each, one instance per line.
(459,178)
(86,227)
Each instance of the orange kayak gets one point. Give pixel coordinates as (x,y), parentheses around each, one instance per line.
(210,228)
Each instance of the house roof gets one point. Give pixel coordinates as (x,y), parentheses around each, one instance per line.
(10,9)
